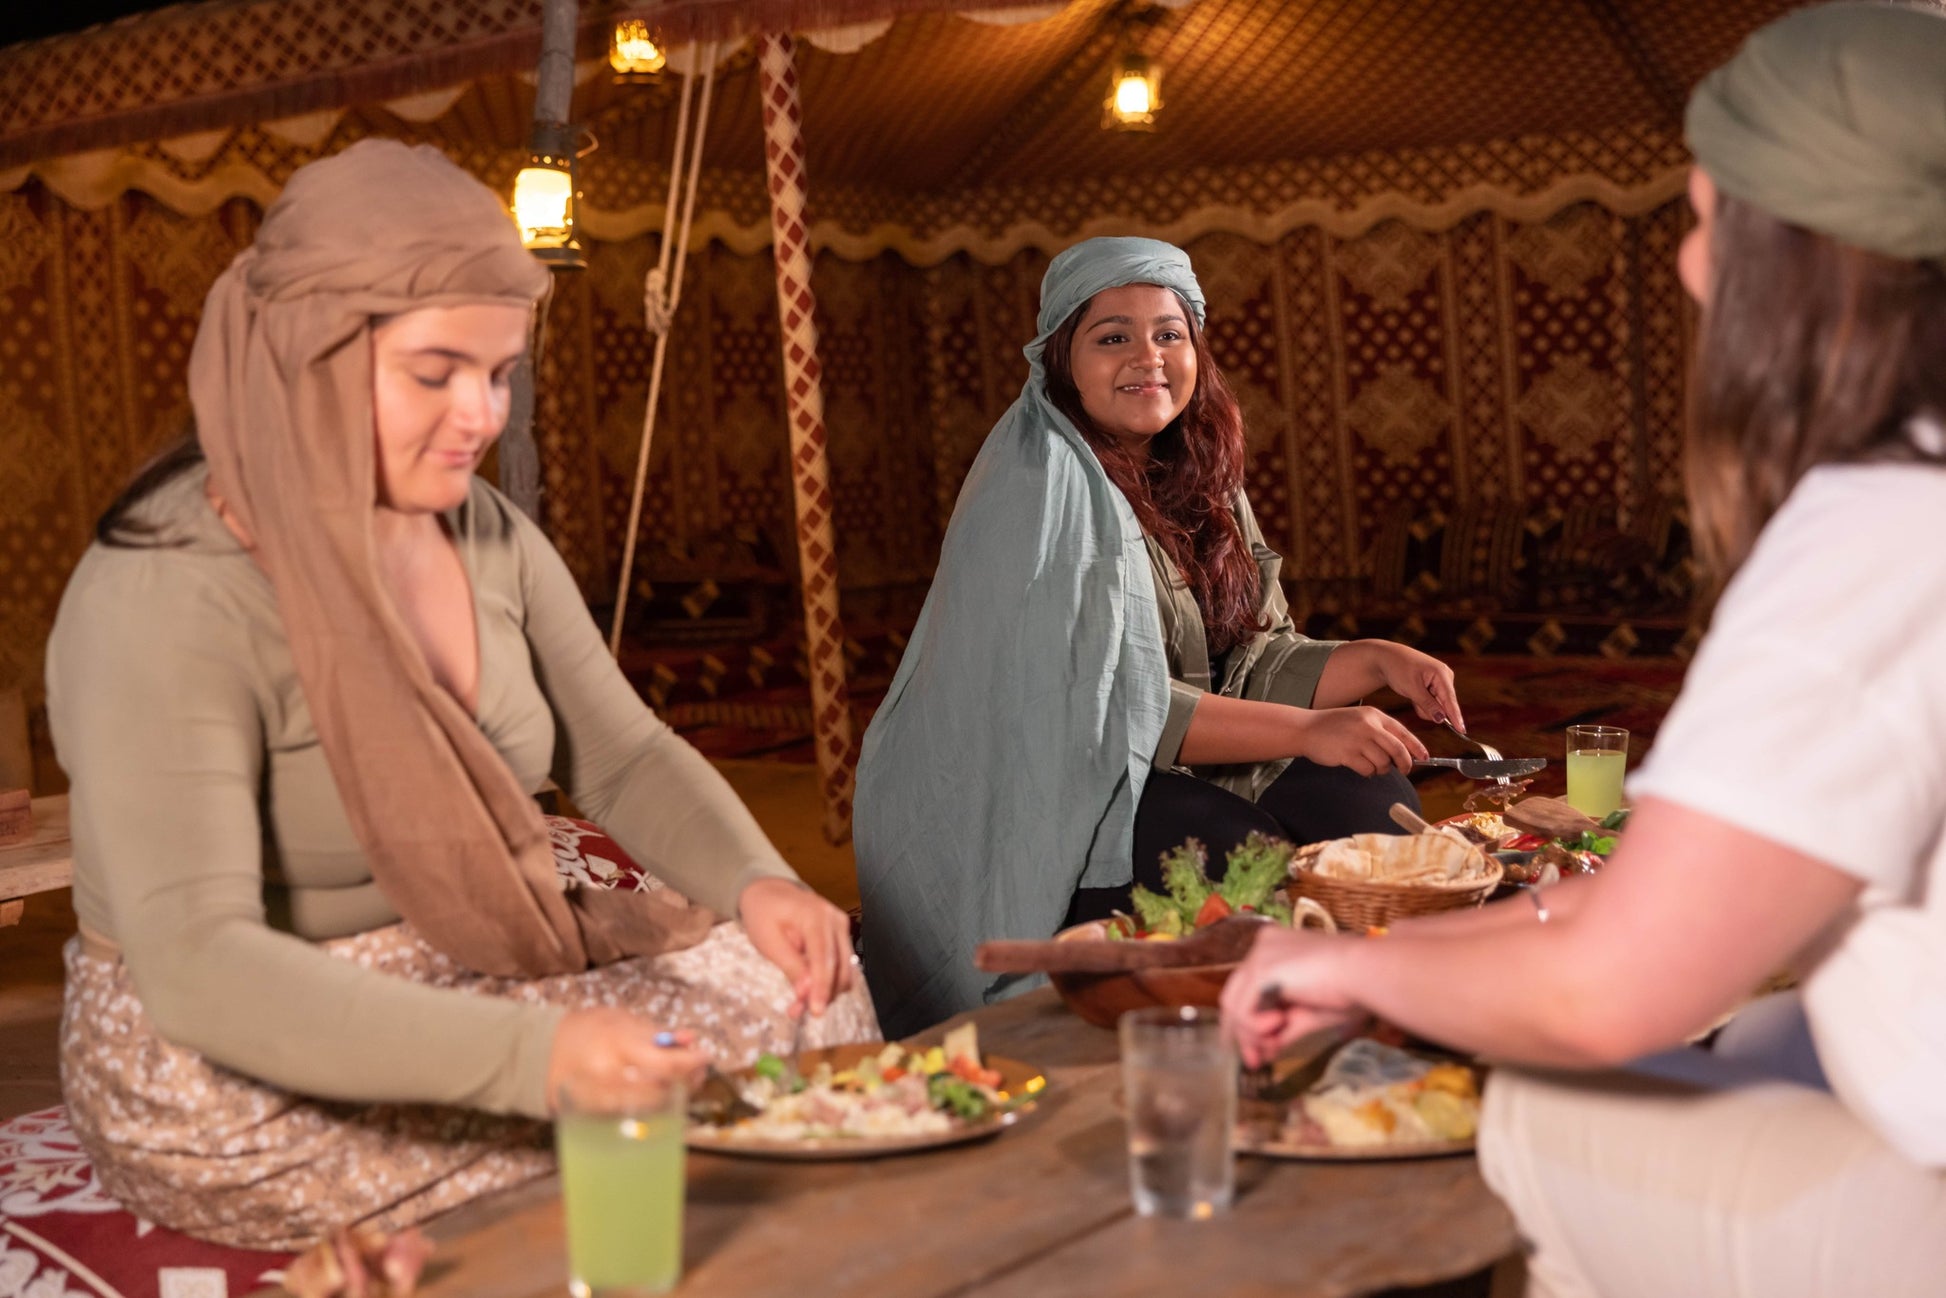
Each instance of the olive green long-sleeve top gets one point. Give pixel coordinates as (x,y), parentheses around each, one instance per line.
(1277,664)
(210,842)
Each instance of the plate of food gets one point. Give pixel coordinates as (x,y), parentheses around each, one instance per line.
(1540,840)
(1370,1100)
(873,1099)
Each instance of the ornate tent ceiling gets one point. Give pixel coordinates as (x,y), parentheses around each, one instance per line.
(197,103)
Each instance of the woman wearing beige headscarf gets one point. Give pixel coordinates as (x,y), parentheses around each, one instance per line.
(1793,813)
(304,686)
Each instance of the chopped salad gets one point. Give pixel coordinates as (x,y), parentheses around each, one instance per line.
(900,1091)
(1189,900)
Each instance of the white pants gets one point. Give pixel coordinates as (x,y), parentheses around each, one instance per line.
(1727,1174)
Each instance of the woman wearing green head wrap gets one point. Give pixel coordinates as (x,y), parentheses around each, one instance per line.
(1793,813)
(1105,666)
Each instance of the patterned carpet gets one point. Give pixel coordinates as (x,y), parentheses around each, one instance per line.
(1520,705)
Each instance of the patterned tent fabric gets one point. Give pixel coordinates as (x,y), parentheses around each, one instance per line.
(1388,380)
(916,130)
(1439,236)
(938,101)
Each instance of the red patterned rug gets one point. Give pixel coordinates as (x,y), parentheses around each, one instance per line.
(61,1236)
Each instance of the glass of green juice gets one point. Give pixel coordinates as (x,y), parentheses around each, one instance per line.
(1597,759)
(621,1161)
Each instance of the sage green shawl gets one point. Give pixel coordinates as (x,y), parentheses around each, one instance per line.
(1003,769)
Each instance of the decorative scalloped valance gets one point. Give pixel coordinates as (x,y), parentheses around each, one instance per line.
(1624,171)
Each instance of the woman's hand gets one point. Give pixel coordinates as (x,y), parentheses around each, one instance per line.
(802,934)
(1356,669)
(1419,679)
(614,1054)
(1364,739)
(1286,989)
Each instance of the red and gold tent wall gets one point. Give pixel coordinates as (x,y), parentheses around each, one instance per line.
(1438,241)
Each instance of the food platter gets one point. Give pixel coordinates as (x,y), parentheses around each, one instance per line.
(1292,1122)
(1270,1139)
(1019,1086)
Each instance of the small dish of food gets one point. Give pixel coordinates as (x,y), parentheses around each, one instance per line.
(1369,1101)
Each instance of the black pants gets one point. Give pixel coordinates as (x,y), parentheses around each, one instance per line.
(1308,803)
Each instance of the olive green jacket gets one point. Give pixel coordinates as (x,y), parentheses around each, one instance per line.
(1277,664)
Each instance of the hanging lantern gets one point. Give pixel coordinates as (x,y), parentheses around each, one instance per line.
(633,53)
(1134,95)
(546,193)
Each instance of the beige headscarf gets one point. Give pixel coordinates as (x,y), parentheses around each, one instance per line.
(1834,118)
(281,381)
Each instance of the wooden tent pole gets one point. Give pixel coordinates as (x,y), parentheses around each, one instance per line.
(824,634)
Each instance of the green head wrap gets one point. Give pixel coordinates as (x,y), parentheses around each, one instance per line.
(1834,118)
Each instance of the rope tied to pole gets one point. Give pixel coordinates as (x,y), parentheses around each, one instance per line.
(662,295)
(658,307)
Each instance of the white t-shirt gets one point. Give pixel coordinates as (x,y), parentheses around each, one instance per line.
(1815,715)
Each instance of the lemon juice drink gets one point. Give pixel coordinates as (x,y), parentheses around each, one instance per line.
(621,1189)
(1597,760)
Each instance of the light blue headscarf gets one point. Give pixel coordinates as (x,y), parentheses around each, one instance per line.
(1004,767)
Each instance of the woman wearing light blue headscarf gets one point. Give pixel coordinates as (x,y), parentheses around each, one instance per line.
(1105,609)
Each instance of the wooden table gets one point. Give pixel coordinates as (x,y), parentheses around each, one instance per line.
(1043,1209)
(41,865)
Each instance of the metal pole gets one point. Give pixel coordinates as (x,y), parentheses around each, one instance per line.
(554,79)
(520,456)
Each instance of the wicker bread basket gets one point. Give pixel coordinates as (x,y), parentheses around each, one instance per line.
(1358,904)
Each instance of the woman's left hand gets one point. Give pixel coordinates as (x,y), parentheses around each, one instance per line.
(1419,679)
(802,934)
(1286,989)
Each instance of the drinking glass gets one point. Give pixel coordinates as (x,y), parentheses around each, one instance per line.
(1597,759)
(1179,1076)
(621,1157)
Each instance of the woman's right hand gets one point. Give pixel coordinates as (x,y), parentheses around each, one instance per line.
(1291,984)
(1364,739)
(612,1052)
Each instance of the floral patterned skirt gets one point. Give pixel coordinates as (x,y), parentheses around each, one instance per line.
(192,1145)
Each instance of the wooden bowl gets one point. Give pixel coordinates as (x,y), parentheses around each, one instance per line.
(1102,998)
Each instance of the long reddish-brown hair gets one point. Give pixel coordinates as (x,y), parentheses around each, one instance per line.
(1184,489)
(1813,352)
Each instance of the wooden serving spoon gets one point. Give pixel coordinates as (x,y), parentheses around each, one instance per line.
(1409,820)
(1224,942)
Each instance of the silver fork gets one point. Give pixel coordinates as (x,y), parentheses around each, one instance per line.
(791,1076)
(1488,751)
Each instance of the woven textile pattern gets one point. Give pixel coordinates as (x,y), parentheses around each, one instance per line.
(1396,376)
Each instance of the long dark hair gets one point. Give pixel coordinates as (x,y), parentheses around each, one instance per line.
(1184,489)
(1813,352)
(115,526)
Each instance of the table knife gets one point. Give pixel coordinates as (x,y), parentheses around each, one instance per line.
(1479,768)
